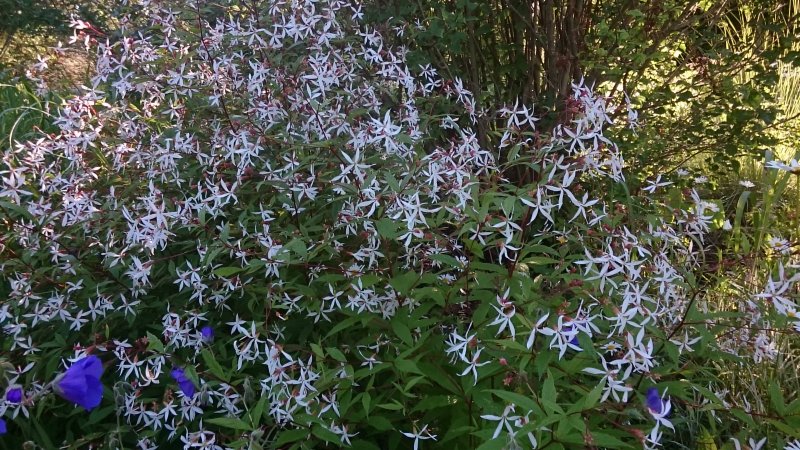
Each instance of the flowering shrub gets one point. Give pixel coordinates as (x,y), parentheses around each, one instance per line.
(273,233)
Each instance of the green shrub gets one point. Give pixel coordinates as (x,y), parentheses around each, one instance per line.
(275,234)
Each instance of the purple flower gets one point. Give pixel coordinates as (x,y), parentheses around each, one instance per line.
(3,428)
(14,394)
(80,384)
(654,401)
(186,385)
(207,333)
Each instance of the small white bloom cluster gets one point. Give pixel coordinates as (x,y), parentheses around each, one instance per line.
(232,192)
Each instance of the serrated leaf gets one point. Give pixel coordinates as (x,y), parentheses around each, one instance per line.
(387,228)
(298,247)
(593,397)
(445,259)
(706,441)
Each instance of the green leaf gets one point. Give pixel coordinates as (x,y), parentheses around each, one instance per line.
(607,440)
(289,436)
(549,389)
(380,423)
(776,397)
(227,271)
(6,206)
(635,13)
(258,412)
(336,354)
(706,441)
(446,259)
(343,325)
(154,343)
(325,434)
(404,282)
(394,406)
(387,228)
(365,400)
(214,366)
(520,400)
(743,416)
(493,444)
(99,414)
(785,428)
(593,397)
(439,376)
(317,350)
(402,331)
(406,366)
(298,247)
(230,422)
(44,438)
(434,401)
(540,260)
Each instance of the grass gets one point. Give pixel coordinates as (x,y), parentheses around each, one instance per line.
(23,114)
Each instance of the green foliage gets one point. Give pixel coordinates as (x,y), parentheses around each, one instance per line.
(391,302)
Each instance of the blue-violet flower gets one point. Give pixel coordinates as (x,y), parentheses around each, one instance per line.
(207,333)
(186,385)
(654,401)
(80,384)
(14,394)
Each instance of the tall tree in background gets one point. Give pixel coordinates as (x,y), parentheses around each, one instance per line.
(672,56)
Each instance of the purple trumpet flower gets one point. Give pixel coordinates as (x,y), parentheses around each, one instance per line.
(3,428)
(654,401)
(14,394)
(80,384)
(186,385)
